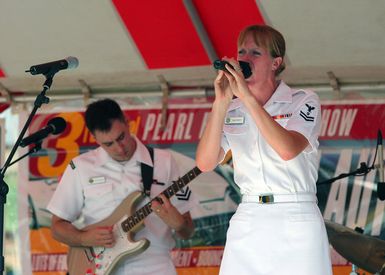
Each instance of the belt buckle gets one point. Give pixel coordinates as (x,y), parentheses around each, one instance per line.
(266,199)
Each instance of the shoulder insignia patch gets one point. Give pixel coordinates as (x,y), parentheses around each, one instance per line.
(307,113)
(184,194)
(72,164)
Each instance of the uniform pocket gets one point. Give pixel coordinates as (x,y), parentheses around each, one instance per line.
(97,190)
(303,212)
(98,199)
(236,129)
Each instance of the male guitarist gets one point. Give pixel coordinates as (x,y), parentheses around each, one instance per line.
(95,184)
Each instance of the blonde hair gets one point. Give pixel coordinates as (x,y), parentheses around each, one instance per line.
(268,38)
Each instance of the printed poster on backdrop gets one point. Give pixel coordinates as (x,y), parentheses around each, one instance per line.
(348,138)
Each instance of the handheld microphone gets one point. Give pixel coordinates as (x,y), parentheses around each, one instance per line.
(381,183)
(245,66)
(54,126)
(55,66)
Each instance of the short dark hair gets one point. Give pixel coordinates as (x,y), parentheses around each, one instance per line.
(100,115)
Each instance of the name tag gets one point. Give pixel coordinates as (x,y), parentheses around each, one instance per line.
(96,180)
(234,120)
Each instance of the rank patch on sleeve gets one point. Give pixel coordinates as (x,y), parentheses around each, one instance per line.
(72,164)
(308,112)
(184,194)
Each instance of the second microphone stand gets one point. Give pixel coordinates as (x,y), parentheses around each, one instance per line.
(40,99)
(361,171)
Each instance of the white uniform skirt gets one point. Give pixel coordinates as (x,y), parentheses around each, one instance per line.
(278,238)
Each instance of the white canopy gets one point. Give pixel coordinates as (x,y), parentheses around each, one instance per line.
(126,46)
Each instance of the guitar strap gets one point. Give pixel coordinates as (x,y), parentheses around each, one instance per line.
(147,173)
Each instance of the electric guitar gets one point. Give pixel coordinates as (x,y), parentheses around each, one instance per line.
(125,222)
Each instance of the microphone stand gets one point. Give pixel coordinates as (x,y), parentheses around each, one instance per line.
(40,99)
(35,149)
(362,170)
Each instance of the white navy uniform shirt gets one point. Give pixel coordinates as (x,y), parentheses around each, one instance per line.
(258,169)
(94,184)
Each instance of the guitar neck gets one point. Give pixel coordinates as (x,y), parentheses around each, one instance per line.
(146,210)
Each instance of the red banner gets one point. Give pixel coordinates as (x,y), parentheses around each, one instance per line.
(353,121)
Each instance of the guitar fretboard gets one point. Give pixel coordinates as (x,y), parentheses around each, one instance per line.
(146,210)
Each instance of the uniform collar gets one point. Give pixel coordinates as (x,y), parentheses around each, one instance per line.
(101,156)
(140,155)
(235,103)
(283,94)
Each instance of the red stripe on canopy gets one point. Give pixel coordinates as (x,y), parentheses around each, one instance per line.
(224,19)
(163,33)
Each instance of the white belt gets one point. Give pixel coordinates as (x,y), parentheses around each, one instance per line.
(277,198)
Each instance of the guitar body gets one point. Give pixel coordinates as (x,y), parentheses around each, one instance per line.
(100,260)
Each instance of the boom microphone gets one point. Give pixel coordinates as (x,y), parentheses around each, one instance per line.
(54,126)
(381,183)
(55,66)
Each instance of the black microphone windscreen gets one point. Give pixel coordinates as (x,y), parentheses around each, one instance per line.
(246,69)
(245,66)
(58,123)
